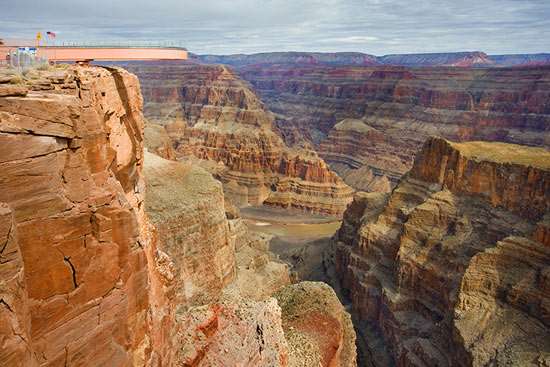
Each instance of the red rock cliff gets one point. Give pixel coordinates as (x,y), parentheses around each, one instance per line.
(213,115)
(71,158)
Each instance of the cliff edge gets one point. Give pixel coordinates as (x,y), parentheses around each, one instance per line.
(451,268)
(114,256)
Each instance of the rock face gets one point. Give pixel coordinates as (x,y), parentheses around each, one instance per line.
(92,271)
(380,116)
(451,268)
(73,271)
(218,118)
(158,142)
(183,203)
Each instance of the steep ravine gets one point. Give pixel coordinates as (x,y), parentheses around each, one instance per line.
(451,268)
(213,116)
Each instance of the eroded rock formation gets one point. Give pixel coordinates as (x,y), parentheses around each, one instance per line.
(93,271)
(451,268)
(318,330)
(216,117)
(380,116)
(218,279)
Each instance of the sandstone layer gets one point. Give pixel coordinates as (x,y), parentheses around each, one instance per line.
(451,268)
(74,276)
(380,116)
(213,115)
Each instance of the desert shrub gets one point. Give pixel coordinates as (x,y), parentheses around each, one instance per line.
(43,67)
(17,79)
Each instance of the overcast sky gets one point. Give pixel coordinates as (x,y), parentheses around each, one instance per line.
(246,26)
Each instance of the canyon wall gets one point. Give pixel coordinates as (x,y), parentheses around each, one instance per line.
(211,114)
(380,116)
(74,276)
(452,268)
(110,256)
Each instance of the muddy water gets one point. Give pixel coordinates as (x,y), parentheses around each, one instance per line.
(299,239)
(298,233)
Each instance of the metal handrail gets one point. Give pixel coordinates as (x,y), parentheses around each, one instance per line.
(95,43)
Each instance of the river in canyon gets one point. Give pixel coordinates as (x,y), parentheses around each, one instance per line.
(303,241)
(299,239)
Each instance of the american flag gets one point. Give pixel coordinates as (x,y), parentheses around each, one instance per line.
(51,34)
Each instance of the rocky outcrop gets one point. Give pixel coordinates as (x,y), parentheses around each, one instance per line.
(73,279)
(380,116)
(318,329)
(450,268)
(233,332)
(185,204)
(222,120)
(362,178)
(92,272)
(218,279)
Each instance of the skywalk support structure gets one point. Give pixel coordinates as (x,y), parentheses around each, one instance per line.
(97,53)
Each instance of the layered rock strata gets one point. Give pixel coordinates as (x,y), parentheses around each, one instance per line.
(93,272)
(74,276)
(450,269)
(380,116)
(220,119)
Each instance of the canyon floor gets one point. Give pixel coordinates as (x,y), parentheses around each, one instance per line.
(304,241)
(297,238)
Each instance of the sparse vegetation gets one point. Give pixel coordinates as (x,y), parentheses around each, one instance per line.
(17,79)
(505,153)
(43,67)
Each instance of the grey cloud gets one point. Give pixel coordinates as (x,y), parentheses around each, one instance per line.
(222,26)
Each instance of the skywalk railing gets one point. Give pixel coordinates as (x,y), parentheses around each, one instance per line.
(117,44)
(96,43)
